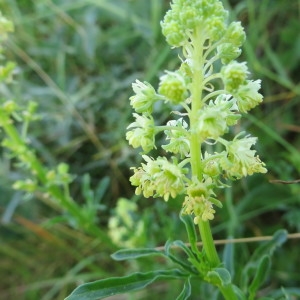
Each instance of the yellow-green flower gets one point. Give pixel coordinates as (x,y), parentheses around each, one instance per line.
(145,96)
(239,159)
(159,178)
(177,135)
(143,133)
(247,95)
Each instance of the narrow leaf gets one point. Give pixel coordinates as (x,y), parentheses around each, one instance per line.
(119,285)
(228,257)
(279,237)
(135,253)
(191,231)
(260,275)
(266,248)
(186,292)
(169,244)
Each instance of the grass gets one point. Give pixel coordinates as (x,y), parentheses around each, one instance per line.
(77,59)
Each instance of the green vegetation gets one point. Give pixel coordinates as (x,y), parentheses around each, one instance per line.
(77,61)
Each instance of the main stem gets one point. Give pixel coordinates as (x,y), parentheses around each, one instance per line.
(196,163)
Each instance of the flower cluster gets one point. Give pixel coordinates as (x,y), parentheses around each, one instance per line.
(159,178)
(188,16)
(245,91)
(206,113)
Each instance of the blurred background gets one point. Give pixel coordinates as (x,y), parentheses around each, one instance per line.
(77,59)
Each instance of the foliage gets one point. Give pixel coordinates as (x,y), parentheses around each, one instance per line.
(77,59)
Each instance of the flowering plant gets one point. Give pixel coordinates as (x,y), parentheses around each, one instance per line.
(211,90)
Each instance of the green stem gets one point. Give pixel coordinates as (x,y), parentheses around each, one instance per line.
(196,90)
(208,244)
(196,95)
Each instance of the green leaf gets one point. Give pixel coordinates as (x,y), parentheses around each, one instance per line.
(266,248)
(218,277)
(178,260)
(135,253)
(279,237)
(260,275)
(228,257)
(119,285)
(191,231)
(186,292)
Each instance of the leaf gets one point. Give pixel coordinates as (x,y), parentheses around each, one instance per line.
(260,275)
(178,260)
(186,292)
(119,285)
(218,277)
(266,248)
(279,237)
(190,228)
(228,257)
(135,253)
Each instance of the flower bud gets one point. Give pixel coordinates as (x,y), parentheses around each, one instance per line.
(173,87)
(234,75)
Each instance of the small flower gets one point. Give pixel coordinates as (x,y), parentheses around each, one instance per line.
(178,138)
(159,178)
(239,160)
(199,201)
(215,118)
(228,52)
(235,34)
(247,95)
(173,87)
(143,133)
(234,75)
(144,97)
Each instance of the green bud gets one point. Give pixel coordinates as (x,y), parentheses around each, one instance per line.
(228,52)
(212,167)
(173,87)
(234,75)
(235,34)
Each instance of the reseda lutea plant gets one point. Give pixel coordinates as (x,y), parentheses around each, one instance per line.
(210,90)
